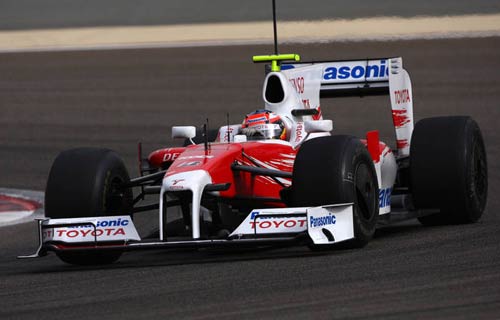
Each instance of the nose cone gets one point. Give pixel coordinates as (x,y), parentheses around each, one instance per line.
(188,180)
(195,181)
(216,162)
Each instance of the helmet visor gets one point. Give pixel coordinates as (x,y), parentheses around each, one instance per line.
(263,131)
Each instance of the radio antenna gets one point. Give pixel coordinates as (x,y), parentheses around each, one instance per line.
(205,136)
(228,132)
(276,58)
(275,29)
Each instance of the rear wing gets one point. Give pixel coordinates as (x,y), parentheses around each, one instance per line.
(346,78)
(383,76)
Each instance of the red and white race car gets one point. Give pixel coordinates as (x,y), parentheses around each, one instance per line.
(279,177)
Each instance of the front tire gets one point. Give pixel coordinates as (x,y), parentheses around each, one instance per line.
(334,170)
(87,182)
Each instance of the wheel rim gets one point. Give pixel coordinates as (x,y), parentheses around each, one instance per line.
(365,191)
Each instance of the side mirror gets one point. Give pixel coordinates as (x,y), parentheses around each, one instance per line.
(183,132)
(314,126)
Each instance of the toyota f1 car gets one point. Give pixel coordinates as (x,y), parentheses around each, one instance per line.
(279,177)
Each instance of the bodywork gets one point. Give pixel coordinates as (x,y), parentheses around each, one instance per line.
(248,176)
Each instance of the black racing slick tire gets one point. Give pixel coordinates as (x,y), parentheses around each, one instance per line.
(87,182)
(448,170)
(334,170)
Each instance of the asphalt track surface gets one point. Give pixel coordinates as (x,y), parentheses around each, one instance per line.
(53,101)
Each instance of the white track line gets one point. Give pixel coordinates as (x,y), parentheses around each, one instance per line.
(378,28)
(8,217)
(14,217)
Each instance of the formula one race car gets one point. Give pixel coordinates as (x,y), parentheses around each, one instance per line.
(279,177)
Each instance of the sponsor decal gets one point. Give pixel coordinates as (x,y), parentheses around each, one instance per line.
(298,84)
(176,181)
(167,157)
(266,126)
(298,131)
(385,197)
(379,70)
(172,188)
(336,219)
(315,222)
(119,228)
(258,119)
(402,96)
(280,224)
(267,222)
(107,223)
(83,233)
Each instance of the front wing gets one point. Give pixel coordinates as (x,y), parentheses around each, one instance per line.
(318,225)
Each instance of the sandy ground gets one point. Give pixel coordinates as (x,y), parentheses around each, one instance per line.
(251,32)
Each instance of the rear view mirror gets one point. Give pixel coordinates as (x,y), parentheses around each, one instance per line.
(314,126)
(183,132)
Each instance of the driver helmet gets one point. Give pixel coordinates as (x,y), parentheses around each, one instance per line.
(264,124)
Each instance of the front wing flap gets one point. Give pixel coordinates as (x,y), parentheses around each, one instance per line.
(324,224)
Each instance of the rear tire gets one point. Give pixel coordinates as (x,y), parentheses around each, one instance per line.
(86,182)
(448,170)
(334,170)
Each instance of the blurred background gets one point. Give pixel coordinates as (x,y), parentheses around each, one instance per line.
(36,14)
(55,96)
